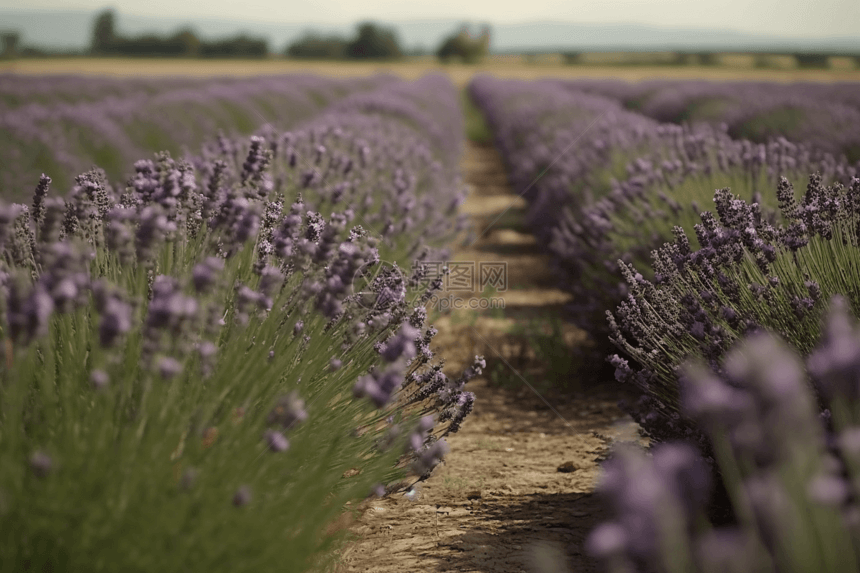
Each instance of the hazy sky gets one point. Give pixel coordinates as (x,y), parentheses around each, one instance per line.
(797,18)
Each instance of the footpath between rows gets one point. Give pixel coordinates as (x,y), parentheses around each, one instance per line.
(516,492)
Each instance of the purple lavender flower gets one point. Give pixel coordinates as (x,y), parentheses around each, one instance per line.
(429,457)
(205,274)
(379,386)
(99,379)
(607,540)
(188,478)
(115,321)
(835,364)
(41,464)
(402,345)
(37,212)
(289,410)
(28,311)
(276,441)
(169,367)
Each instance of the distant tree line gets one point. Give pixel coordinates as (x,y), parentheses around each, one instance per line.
(184,43)
(375,42)
(762,59)
(371,42)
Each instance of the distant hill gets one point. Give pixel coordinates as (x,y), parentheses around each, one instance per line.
(71,30)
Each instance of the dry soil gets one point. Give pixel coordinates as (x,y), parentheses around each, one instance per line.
(516,492)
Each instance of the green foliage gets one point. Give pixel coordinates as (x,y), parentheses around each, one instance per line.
(104,32)
(477,129)
(707,58)
(316,47)
(373,42)
(240,46)
(811,60)
(10,44)
(572,58)
(461,45)
(539,351)
(184,43)
(779,120)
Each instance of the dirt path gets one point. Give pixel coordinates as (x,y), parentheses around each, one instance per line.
(501,502)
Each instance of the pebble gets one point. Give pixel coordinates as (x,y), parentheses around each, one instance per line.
(569,467)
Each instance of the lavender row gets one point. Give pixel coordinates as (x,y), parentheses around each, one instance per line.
(20,90)
(748,274)
(219,355)
(826,116)
(790,470)
(118,125)
(608,185)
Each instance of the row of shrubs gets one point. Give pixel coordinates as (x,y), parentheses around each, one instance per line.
(826,116)
(65,125)
(666,270)
(773,59)
(205,366)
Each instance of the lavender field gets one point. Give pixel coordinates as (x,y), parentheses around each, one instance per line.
(727,299)
(225,348)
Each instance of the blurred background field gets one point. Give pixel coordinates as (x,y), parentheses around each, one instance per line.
(134,40)
(597,65)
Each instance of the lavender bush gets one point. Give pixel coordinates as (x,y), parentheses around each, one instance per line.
(826,116)
(204,366)
(748,274)
(791,471)
(606,185)
(90,121)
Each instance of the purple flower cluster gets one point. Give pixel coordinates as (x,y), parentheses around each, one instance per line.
(42,127)
(825,116)
(622,180)
(790,471)
(748,274)
(198,270)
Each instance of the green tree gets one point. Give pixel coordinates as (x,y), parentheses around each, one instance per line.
(10,41)
(811,59)
(104,32)
(314,46)
(462,45)
(374,42)
(241,46)
(187,41)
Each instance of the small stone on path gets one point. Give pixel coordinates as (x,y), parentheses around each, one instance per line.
(569,467)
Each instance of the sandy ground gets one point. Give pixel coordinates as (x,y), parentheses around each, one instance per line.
(516,492)
(409,69)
